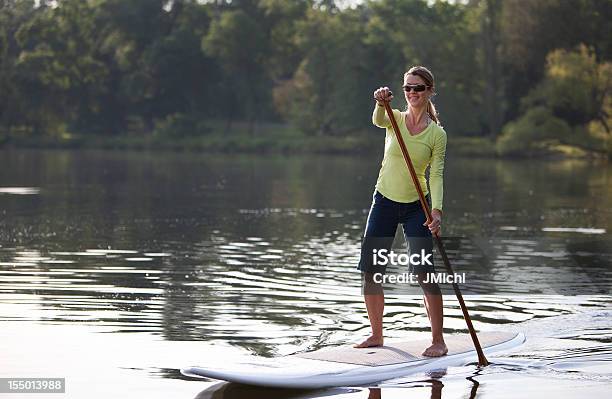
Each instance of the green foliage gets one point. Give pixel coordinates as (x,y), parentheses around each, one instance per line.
(320,98)
(180,125)
(158,68)
(531,29)
(239,43)
(523,136)
(236,39)
(570,106)
(574,85)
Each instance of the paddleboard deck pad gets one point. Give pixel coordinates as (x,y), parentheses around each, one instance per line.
(346,366)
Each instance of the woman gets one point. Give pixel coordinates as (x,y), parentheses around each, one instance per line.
(396,200)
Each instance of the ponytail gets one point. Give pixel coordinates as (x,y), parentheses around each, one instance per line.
(431,111)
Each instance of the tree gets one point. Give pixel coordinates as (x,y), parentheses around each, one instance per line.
(331,87)
(237,41)
(567,106)
(533,28)
(59,68)
(14,103)
(575,87)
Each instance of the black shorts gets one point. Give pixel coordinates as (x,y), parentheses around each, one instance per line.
(383,219)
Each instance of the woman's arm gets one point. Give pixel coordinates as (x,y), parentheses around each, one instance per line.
(379,117)
(436,170)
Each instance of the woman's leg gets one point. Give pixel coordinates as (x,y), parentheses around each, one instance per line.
(375,305)
(435,313)
(418,237)
(379,234)
(435,310)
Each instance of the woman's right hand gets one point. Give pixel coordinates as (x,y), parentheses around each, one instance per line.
(383,94)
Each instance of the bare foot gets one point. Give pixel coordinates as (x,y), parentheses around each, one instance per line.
(436,350)
(371,341)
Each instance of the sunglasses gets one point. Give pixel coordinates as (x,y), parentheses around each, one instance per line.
(416,88)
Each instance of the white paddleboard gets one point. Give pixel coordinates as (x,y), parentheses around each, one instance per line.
(348,366)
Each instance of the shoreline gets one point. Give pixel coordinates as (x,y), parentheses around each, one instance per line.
(357,144)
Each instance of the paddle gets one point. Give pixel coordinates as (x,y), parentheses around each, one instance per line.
(482,360)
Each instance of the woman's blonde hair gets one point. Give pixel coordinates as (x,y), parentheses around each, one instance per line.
(428,77)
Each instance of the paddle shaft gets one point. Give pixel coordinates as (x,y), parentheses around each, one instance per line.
(482,360)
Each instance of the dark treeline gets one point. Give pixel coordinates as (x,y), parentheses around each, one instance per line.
(524,73)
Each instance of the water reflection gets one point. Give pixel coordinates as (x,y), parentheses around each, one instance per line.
(20,190)
(226,390)
(259,252)
(232,391)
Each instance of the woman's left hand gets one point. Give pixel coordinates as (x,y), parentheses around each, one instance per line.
(436,222)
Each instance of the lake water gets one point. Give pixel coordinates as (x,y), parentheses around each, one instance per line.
(118,268)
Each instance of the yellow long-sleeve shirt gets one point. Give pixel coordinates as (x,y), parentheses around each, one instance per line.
(426,148)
